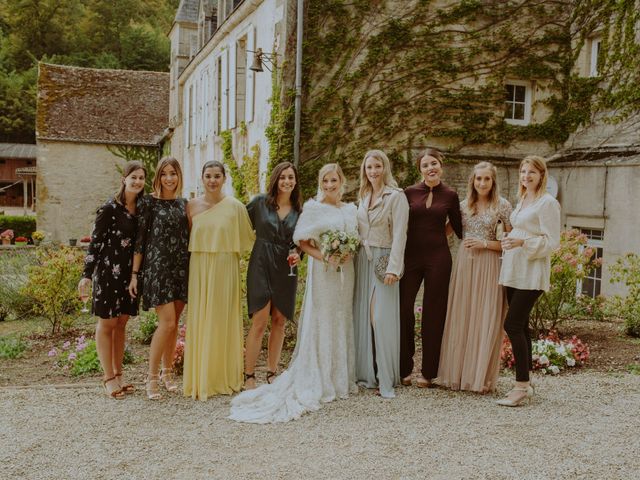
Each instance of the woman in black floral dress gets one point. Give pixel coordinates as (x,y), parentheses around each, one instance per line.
(109,263)
(161,249)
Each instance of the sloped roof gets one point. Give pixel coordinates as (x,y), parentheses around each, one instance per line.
(17,150)
(91,105)
(188,11)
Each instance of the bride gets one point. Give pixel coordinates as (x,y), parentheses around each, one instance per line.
(322,367)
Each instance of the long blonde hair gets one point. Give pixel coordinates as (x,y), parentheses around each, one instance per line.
(157,186)
(472,195)
(387,176)
(328,168)
(540,164)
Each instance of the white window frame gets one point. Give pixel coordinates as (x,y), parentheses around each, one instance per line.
(595,244)
(527,102)
(594,51)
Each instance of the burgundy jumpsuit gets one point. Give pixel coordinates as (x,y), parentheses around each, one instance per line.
(427,257)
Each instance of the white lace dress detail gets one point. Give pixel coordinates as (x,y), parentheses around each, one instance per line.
(322,367)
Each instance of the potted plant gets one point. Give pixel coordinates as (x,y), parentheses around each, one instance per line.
(86,240)
(6,237)
(37,237)
(72,242)
(21,240)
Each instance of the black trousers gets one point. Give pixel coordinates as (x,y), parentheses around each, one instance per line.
(516,325)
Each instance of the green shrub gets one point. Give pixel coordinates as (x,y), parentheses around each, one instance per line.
(147,327)
(12,347)
(627,270)
(81,356)
(571,261)
(52,285)
(13,279)
(22,226)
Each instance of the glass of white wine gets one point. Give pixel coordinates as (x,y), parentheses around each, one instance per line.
(85,295)
(501,234)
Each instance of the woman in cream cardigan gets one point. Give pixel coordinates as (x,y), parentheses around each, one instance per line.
(526,266)
(383,213)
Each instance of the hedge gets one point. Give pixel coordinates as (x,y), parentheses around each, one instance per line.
(22,226)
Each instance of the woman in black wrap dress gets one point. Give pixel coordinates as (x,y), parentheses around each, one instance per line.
(270,289)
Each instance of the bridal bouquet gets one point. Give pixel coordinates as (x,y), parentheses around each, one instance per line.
(337,243)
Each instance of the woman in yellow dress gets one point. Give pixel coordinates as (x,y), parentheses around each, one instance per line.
(220,232)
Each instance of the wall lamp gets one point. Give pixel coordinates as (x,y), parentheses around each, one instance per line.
(261,59)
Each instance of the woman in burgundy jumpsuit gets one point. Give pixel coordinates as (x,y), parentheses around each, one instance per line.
(427,257)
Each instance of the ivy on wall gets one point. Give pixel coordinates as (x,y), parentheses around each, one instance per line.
(245,177)
(279,132)
(378,74)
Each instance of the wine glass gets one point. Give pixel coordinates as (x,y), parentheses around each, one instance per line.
(500,236)
(85,293)
(291,260)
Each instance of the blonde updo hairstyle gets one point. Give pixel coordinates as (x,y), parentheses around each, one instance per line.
(540,164)
(328,168)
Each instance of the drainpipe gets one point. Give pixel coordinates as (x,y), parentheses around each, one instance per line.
(298,100)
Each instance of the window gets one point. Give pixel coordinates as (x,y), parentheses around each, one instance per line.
(189,135)
(594,56)
(592,283)
(518,103)
(218,127)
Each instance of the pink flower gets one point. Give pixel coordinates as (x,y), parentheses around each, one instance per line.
(66,345)
(72,356)
(419,309)
(53,352)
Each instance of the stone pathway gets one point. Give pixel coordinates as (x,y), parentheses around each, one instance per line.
(585,426)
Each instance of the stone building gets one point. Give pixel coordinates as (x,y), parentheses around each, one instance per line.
(213,89)
(83,116)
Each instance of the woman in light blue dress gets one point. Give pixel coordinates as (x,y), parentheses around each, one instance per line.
(383,213)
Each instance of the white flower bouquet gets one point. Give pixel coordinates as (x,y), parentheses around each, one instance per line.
(338,243)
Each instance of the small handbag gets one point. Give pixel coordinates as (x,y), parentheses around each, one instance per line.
(380,267)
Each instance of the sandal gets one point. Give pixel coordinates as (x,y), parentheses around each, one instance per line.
(152,386)
(166,377)
(247,376)
(270,375)
(406,381)
(127,388)
(116,394)
(424,383)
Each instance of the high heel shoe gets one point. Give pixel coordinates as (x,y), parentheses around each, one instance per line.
(528,395)
(152,386)
(166,377)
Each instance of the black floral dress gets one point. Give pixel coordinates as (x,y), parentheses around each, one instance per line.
(268,273)
(110,259)
(163,240)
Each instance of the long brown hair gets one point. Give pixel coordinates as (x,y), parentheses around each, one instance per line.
(128,169)
(540,164)
(272,189)
(157,186)
(387,177)
(472,194)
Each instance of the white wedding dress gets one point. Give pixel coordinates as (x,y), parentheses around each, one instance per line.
(322,367)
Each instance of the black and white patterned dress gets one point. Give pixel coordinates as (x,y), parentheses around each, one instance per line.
(110,259)
(163,239)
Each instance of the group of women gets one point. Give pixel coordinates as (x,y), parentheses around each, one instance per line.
(357,323)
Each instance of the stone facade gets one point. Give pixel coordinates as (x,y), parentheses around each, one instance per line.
(74,179)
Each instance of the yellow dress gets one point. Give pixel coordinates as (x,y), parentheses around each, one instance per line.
(213,357)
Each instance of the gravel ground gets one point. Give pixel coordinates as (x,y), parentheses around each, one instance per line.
(579,426)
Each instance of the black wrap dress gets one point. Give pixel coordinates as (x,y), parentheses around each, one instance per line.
(268,274)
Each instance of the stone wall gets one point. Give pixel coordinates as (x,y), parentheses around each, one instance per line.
(73,180)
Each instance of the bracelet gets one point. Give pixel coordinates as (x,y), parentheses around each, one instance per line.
(134,273)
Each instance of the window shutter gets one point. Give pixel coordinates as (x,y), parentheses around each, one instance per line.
(251,76)
(225,90)
(232,84)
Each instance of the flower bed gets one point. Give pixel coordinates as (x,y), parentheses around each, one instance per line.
(550,354)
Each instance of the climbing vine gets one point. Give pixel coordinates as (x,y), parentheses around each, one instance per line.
(279,132)
(148,156)
(380,76)
(245,177)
